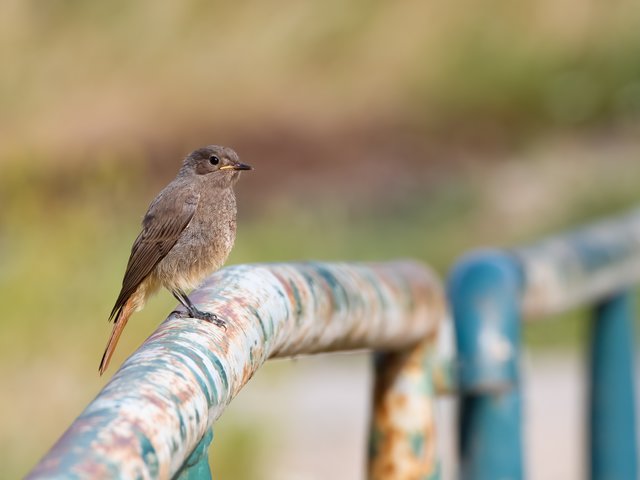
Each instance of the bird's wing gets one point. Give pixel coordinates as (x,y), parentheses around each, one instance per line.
(163,224)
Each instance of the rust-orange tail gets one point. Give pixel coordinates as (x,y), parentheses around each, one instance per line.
(119,323)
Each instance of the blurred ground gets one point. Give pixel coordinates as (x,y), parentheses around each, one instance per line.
(378,130)
(327,418)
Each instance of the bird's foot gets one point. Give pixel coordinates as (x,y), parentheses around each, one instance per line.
(200,315)
(207,317)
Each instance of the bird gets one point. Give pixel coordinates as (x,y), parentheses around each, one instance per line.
(187,233)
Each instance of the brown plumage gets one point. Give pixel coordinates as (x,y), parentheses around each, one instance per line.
(187,233)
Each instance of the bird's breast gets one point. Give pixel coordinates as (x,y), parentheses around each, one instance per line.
(203,246)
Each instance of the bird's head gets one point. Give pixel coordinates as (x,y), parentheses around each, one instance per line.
(215,161)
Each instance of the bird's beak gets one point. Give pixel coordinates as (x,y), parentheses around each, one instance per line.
(237,166)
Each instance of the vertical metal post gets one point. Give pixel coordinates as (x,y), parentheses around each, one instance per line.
(402,441)
(196,467)
(485,290)
(613,441)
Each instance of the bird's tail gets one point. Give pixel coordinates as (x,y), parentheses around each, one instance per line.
(121,319)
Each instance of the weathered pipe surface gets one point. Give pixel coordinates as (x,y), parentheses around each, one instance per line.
(402,440)
(150,416)
(583,266)
(484,290)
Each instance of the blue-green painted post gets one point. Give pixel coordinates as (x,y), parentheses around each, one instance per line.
(613,440)
(485,291)
(196,467)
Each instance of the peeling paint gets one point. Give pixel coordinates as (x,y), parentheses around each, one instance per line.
(581,266)
(402,434)
(155,410)
(491,290)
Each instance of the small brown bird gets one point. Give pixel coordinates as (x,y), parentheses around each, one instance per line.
(187,233)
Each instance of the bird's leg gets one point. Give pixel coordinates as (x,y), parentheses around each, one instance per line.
(193,312)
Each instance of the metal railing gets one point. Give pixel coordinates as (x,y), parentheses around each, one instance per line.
(491,292)
(154,418)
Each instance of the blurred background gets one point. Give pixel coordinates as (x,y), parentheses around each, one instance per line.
(377,130)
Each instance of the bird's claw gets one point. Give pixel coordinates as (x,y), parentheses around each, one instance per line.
(200,315)
(212,318)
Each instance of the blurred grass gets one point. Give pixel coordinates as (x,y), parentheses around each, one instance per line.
(89,73)
(74,233)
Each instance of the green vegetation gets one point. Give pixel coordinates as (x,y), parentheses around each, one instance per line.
(124,74)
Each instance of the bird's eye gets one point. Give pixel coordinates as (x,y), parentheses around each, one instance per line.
(214,160)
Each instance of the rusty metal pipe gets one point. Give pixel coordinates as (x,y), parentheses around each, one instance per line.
(402,439)
(582,266)
(158,406)
(493,291)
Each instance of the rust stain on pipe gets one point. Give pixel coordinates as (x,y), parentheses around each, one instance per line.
(403,434)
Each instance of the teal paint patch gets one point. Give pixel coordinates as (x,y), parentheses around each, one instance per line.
(213,358)
(182,426)
(416,440)
(374,282)
(196,465)
(255,360)
(223,374)
(254,312)
(285,301)
(204,387)
(296,296)
(148,454)
(212,395)
(93,422)
(309,278)
(340,298)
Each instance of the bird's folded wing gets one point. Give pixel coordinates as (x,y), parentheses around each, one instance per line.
(163,224)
